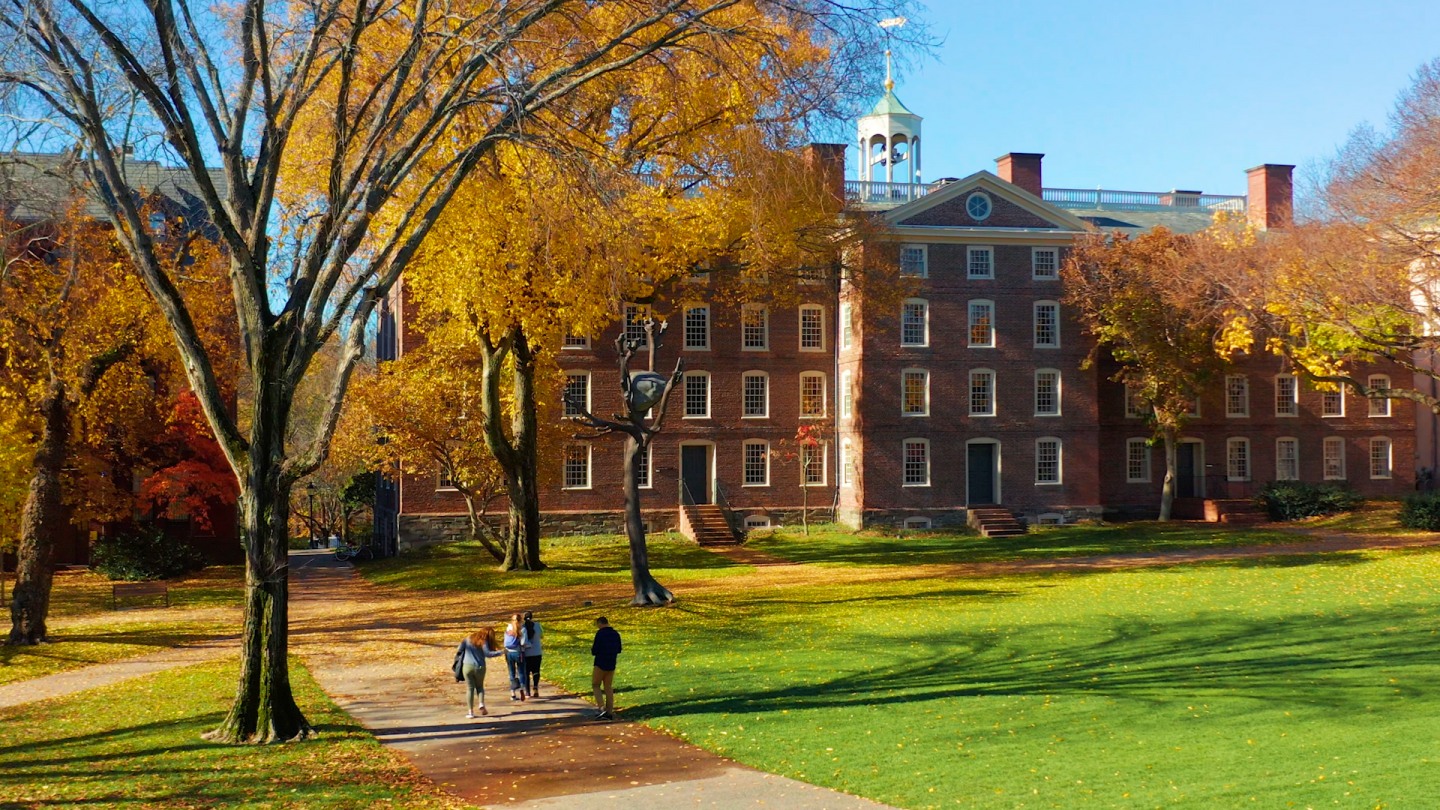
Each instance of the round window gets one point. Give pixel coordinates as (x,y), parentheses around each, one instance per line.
(978,205)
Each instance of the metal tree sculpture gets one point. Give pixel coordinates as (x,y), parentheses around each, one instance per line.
(642,392)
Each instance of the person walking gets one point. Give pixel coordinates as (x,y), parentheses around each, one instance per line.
(531,647)
(605,648)
(474,649)
(515,656)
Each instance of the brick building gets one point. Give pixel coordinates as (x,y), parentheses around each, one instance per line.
(971,395)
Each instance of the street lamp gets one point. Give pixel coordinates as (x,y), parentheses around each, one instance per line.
(310,490)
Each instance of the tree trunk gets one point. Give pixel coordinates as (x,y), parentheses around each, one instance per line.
(805,494)
(523,541)
(478,530)
(40,523)
(1167,490)
(648,592)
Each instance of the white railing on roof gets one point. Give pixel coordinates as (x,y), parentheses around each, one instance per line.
(1105,199)
(876,192)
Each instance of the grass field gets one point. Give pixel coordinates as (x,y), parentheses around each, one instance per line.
(137,744)
(1286,681)
(579,560)
(103,643)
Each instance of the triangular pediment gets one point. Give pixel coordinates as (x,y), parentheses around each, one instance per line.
(1010,207)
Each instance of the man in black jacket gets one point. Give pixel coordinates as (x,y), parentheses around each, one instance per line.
(605,648)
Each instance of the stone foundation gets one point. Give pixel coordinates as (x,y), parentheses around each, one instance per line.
(418,531)
(957,518)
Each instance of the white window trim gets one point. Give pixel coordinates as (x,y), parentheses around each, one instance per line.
(642,311)
(1035,324)
(846,313)
(1294,397)
(1228,413)
(1036,250)
(745,461)
(994,392)
(970,250)
(922,524)
(575,347)
(1130,397)
(589,468)
(924,259)
(969,332)
(589,391)
(685,395)
(924,413)
(440,479)
(648,454)
(1059,385)
(1389,458)
(1374,401)
(757,522)
(824,394)
(924,323)
(800,327)
(1278,440)
(903,444)
(754,373)
(685,328)
(1149,460)
(846,462)
(847,394)
(1059,462)
(764,327)
(1344,471)
(1340,393)
(1249,459)
(824,449)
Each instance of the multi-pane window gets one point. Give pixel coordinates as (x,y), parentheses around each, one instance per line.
(1332,403)
(812,328)
(1287,459)
(444,480)
(915,392)
(982,323)
(1334,458)
(912,261)
(1379,457)
(577,466)
(847,476)
(812,464)
(812,395)
(847,394)
(982,392)
(757,464)
(1137,461)
(697,395)
(576,342)
(1237,395)
(1237,459)
(916,463)
(755,395)
(1047,461)
(1287,396)
(1045,263)
(577,392)
(635,317)
(915,323)
(1379,406)
(754,328)
(1047,324)
(980,262)
(697,327)
(847,326)
(642,467)
(1047,392)
(1135,407)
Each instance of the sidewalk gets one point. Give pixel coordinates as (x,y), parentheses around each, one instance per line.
(546,754)
(90,677)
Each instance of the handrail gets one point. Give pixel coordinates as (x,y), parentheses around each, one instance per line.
(725,508)
(686,499)
(1095,198)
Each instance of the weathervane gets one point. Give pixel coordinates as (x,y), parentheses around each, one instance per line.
(887,24)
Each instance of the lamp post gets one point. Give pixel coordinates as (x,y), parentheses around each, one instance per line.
(310,491)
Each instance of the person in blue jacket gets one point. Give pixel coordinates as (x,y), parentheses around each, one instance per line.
(605,648)
(474,649)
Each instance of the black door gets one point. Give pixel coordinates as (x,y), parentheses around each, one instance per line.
(695,471)
(1187,484)
(980,469)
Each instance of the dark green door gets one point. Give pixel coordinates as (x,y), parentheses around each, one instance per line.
(695,471)
(1187,484)
(980,469)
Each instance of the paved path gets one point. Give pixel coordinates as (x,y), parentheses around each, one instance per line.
(79,680)
(544,753)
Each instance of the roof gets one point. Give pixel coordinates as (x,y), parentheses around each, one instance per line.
(1177,221)
(36,186)
(890,104)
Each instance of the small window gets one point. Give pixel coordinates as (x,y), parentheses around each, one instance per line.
(812,464)
(576,342)
(916,462)
(697,328)
(1047,392)
(1237,459)
(1137,461)
(1334,451)
(980,262)
(1045,263)
(978,206)
(913,261)
(1379,386)
(757,464)
(1194,409)
(847,463)
(635,316)
(812,328)
(812,395)
(755,328)
(915,323)
(577,466)
(1047,325)
(697,395)
(847,326)
(1287,459)
(1287,395)
(1135,406)
(917,523)
(755,395)
(1380,457)
(982,392)
(577,393)
(757,522)
(1050,519)
(982,323)
(847,394)
(1332,403)
(914,392)
(1047,460)
(443,479)
(642,467)
(1237,395)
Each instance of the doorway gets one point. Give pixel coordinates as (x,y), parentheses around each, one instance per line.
(1189,470)
(695,471)
(980,469)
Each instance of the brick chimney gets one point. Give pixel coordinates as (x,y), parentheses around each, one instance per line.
(1022,169)
(827,160)
(1271,202)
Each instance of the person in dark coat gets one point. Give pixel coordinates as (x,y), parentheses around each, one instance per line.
(605,648)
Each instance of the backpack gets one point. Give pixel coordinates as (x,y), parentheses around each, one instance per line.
(459,666)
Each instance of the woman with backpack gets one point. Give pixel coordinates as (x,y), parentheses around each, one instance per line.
(530,633)
(473,651)
(515,656)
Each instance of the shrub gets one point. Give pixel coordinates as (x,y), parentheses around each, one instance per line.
(1293,500)
(1421,511)
(144,553)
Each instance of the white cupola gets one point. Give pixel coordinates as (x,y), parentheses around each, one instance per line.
(890,138)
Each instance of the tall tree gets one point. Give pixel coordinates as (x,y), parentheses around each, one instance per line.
(414,96)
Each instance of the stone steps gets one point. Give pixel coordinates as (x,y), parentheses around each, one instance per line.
(995,522)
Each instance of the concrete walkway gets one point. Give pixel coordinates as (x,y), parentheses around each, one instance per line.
(79,680)
(544,753)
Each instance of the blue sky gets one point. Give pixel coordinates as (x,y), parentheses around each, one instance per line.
(1156,95)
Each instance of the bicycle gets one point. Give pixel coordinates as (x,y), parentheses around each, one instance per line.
(346,552)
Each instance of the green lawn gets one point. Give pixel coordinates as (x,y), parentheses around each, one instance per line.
(101,643)
(137,744)
(834,545)
(1276,682)
(579,560)
(77,593)
(1379,518)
